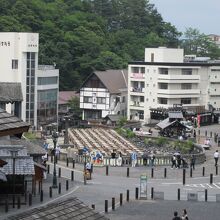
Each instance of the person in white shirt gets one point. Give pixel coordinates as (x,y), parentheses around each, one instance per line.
(216,156)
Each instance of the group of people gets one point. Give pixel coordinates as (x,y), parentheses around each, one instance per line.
(148,156)
(116,160)
(183,217)
(178,161)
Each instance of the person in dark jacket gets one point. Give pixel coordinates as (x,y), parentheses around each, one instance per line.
(176,217)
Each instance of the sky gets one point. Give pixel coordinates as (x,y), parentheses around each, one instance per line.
(203,15)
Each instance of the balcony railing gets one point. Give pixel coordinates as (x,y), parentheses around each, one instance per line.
(137,75)
(136,89)
(137,104)
(179,77)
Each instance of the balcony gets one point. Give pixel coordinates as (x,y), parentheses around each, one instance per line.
(180,93)
(137,104)
(137,91)
(177,78)
(137,76)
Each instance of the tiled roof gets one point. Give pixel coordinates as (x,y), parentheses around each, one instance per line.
(166,123)
(65,96)
(2,176)
(113,118)
(32,148)
(10,92)
(11,122)
(68,209)
(114,80)
(24,164)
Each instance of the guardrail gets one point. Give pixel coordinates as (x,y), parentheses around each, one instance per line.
(160,160)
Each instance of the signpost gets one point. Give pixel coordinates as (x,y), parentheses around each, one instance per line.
(143,186)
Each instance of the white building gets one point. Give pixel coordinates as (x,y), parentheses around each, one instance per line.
(215,38)
(47,95)
(104,93)
(164,79)
(19,64)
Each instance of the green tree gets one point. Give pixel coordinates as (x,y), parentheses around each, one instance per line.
(161,141)
(199,44)
(83,36)
(74,105)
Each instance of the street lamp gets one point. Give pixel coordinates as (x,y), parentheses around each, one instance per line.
(14,154)
(66,119)
(54,137)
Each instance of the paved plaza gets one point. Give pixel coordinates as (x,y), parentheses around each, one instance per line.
(103,187)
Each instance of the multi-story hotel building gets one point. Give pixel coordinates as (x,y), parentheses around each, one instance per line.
(165,79)
(19,64)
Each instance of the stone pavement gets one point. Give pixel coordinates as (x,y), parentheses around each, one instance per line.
(163,210)
(103,187)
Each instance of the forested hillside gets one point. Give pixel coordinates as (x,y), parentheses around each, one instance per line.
(83,35)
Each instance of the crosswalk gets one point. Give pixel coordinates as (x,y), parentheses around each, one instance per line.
(204,185)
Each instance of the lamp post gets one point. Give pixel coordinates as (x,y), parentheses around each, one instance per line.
(14,153)
(55,137)
(66,119)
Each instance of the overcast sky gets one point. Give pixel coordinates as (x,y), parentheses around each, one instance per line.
(201,14)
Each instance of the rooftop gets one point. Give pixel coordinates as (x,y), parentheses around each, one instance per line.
(65,96)
(10,92)
(68,209)
(10,124)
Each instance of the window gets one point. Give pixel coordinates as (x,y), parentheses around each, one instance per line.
(186,101)
(186,86)
(30,86)
(142,99)
(163,85)
(47,80)
(164,71)
(87,99)
(101,100)
(186,71)
(162,101)
(215,70)
(135,69)
(142,69)
(14,64)
(152,57)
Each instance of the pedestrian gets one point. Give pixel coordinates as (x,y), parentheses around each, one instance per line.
(152,159)
(113,158)
(173,161)
(194,133)
(176,217)
(184,162)
(88,170)
(178,159)
(216,156)
(44,163)
(184,215)
(192,161)
(145,156)
(133,159)
(119,160)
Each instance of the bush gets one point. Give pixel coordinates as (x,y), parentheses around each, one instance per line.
(30,135)
(148,141)
(161,141)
